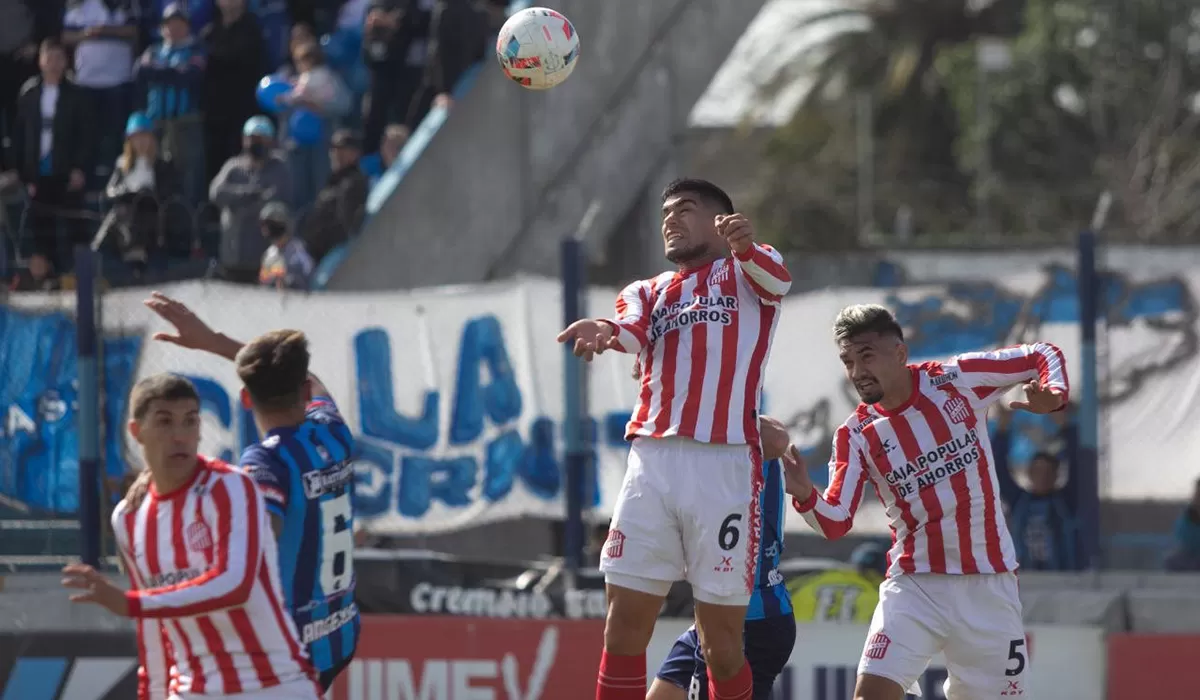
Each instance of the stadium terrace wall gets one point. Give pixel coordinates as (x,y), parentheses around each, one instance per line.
(511,171)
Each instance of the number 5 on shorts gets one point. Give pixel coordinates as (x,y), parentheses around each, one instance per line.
(1015,654)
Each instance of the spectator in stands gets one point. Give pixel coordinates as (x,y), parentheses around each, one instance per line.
(38,276)
(1186,556)
(236,55)
(319,90)
(286,264)
(1042,516)
(458,40)
(23,26)
(376,164)
(341,204)
(390,35)
(142,185)
(170,74)
(246,183)
(103,34)
(51,146)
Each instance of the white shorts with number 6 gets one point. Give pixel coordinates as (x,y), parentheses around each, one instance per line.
(975,620)
(687,511)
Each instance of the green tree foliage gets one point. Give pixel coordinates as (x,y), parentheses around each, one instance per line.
(1100,95)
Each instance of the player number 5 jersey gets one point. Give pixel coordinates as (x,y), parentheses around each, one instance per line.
(931,463)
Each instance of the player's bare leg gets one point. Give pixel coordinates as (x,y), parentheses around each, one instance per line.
(871,687)
(627,632)
(721,629)
(662,690)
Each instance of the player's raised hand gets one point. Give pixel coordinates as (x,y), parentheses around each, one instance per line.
(796,481)
(589,336)
(736,230)
(96,589)
(190,331)
(1039,398)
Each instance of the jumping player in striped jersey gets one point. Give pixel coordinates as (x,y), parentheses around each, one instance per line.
(303,467)
(920,437)
(194,537)
(770,629)
(690,504)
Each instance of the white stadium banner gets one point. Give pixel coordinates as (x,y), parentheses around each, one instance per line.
(1066,663)
(456,394)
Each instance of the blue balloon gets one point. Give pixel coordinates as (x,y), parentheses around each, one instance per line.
(304,127)
(270,89)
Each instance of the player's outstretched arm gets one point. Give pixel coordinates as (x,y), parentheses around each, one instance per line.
(763,266)
(237,509)
(628,332)
(193,333)
(831,513)
(1040,366)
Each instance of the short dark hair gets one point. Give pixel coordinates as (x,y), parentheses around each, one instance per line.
(703,190)
(866,318)
(52,44)
(160,387)
(274,368)
(1045,456)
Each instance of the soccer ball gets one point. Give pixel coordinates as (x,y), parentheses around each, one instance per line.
(537,48)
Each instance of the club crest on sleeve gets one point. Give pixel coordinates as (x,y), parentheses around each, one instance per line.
(957,409)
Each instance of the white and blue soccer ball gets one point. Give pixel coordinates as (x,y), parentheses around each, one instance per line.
(537,48)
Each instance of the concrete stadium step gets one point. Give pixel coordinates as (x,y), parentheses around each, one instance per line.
(513,171)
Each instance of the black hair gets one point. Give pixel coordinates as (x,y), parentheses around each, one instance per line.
(1047,456)
(866,318)
(703,190)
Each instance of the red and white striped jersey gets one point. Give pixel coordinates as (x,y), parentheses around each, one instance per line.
(205,589)
(931,464)
(702,337)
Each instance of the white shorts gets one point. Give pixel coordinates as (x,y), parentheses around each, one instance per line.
(687,511)
(974,620)
(293,690)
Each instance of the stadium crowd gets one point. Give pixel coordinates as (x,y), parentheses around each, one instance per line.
(140,126)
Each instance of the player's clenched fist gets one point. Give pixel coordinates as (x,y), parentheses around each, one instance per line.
(796,481)
(736,230)
(589,336)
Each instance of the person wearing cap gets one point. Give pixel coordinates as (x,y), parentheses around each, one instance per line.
(842,594)
(286,264)
(143,182)
(249,180)
(341,204)
(169,76)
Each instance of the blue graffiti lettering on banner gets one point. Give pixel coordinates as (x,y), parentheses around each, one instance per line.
(396,473)
(393,444)
(39,452)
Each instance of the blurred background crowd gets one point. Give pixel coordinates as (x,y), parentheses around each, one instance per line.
(226,138)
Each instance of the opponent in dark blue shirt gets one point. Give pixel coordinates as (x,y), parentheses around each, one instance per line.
(770,631)
(303,468)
